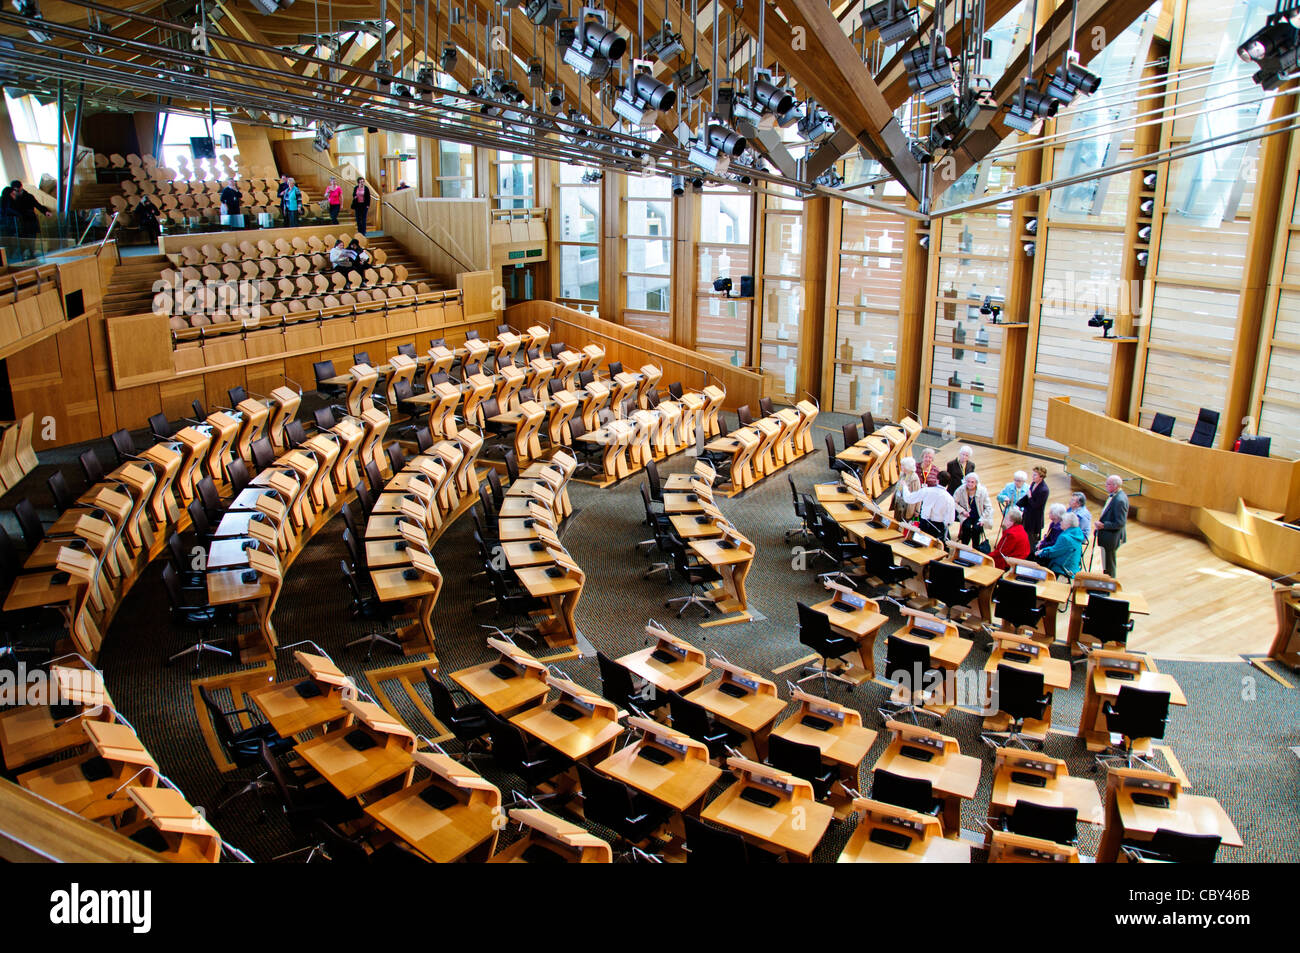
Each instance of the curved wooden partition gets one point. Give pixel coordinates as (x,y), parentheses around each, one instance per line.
(633,349)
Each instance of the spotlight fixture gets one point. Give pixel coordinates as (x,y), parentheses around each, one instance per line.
(384,82)
(816,123)
(1142,258)
(1031,226)
(1144,233)
(594,47)
(892,19)
(449,56)
(1029,108)
(767,95)
(1099,320)
(990,309)
(716,146)
(679,187)
(1071,80)
(644,97)
(544,13)
(592,176)
(535,78)
(692,79)
(923,241)
(929,72)
(556,96)
(1275,49)
(1147,207)
(1149,179)
(723,286)
(1029,248)
(665,45)
(697,185)
(829,179)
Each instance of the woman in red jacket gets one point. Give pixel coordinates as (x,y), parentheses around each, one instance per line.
(1014,543)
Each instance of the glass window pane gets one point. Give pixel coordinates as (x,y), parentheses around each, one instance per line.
(649,256)
(579,213)
(580,272)
(725,217)
(648,293)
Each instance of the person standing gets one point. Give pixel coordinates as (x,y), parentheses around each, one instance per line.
(292,203)
(230,200)
(1035,508)
(334,199)
(146,217)
(975,510)
(361,204)
(959,468)
(24,208)
(279,196)
(937,507)
(908,482)
(1110,525)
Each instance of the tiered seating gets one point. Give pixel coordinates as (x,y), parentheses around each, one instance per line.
(291,276)
(190,195)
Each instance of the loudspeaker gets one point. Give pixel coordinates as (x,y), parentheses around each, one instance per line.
(203,147)
(747,286)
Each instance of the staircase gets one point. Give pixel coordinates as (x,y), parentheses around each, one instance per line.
(93,195)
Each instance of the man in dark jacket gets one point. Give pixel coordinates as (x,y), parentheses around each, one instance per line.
(230,198)
(1109,527)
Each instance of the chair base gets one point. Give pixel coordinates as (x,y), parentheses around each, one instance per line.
(256,786)
(694,599)
(656,568)
(370,640)
(893,713)
(1010,739)
(515,631)
(197,650)
(826,675)
(312,852)
(801,533)
(1121,758)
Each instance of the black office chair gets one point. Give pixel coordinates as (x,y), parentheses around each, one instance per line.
(324,370)
(294,433)
(124,445)
(1135,714)
(743,415)
(1020,696)
(237,477)
(237,395)
(263,453)
(423,439)
(200,528)
(513,601)
(839,466)
(634,818)
(160,427)
(511,460)
(242,746)
(696,575)
(196,406)
(832,544)
(1207,425)
(1254,445)
(765,406)
(706,844)
(945,583)
(880,564)
(533,763)
(815,632)
(396,457)
(404,391)
(617,686)
(59,492)
(1163,424)
(210,498)
(667,542)
(803,761)
(585,377)
(360,357)
(305,801)
(466,719)
(365,499)
(850,434)
(675,390)
(182,561)
(29,523)
(374,478)
(367,606)
(615,368)
(909,667)
(1016,605)
(589,455)
(1057,824)
(1107,619)
(868,423)
(696,722)
(91,468)
(190,609)
(1176,847)
(325,418)
(915,794)
(802,532)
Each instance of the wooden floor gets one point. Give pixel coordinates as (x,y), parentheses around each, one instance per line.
(1201,606)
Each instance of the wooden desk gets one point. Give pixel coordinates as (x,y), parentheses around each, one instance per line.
(753,710)
(844,744)
(589,737)
(33,732)
(1027,655)
(681,782)
(292,708)
(979,571)
(190,839)
(670,665)
(1101,687)
(466,829)
(926,843)
(90,784)
(227,587)
(1058,789)
(552,835)
(731,557)
(1008,848)
(353,772)
(505,696)
(863,624)
(953,776)
(794,825)
(1081,586)
(392,585)
(562,594)
(1126,820)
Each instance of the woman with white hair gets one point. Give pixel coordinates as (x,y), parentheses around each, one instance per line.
(962,467)
(908,482)
(1015,493)
(974,510)
(1054,514)
(1065,555)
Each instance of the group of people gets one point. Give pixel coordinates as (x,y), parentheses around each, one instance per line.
(18,213)
(350,257)
(1054,535)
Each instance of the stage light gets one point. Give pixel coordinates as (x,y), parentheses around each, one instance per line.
(1029,248)
(1149,179)
(644,98)
(556,97)
(1031,226)
(767,95)
(679,187)
(1142,258)
(384,81)
(1029,108)
(990,309)
(692,79)
(449,57)
(665,45)
(544,13)
(892,19)
(929,72)
(716,146)
(1275,49)
(816,123)
(1099,320)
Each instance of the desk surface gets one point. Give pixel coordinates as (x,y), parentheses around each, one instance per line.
(679,676)
(951,774)
(861,849)
(844,744)
(501,695)
(752,713)
(795,826)
(353,772)
(1062,791)
(442,836)
(1189,814)
(290,713)
(679,783)
(573,739)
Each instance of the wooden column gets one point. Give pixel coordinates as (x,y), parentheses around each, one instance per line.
(613,250)
(818,264)
(919,287)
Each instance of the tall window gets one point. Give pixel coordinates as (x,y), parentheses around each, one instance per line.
(36,127)
(783,304)
(866,322)
(648,234)
(578,238)
(407,168)
(182,129)
(512,180)
(455,171)
(350,148)
(725,250)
